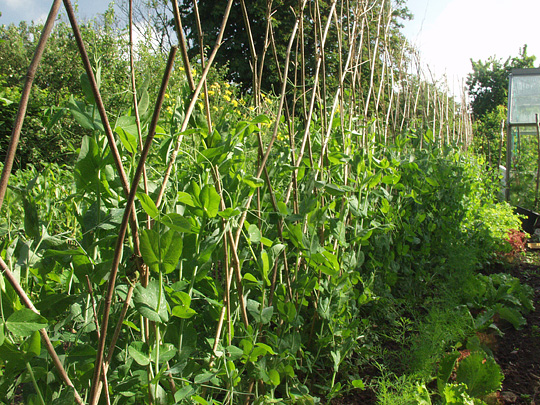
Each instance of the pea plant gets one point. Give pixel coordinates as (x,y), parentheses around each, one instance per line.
(224,255)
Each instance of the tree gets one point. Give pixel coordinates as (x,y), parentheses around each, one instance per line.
(235,51)
(488,82)
(488,87)
(49,134)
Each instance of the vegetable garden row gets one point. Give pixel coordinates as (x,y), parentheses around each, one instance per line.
(212,246)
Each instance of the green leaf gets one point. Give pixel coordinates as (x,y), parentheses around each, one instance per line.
(253,182)
(511,315)
(166,352)
(139,351)
(229,212)
(358,384)
(421,395)
(83,120)
(183,393)
(234,353)
(31,219)
(213,155)
(128,140)
(31,347)
(334,190)
(385,206)
(336,357)
(274,377)
(250,277)
(210,200)
(431,181)
(182,310)
(261,119)
(480,373)
(148,205)
(456,394)
(144,102)
(82,116)
(88,162)
(375,180)
(176,222)
(161,251)
(391,179)
(146,302)
(67,397)
(198,399)
(266,314)
(265,265)
(2,332)
(445,369)
(24,322)
(331,262)
(186,199)
(254,234)
(87,89)
(205,376)
(266,348)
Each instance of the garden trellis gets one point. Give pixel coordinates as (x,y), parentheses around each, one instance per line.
(322,120)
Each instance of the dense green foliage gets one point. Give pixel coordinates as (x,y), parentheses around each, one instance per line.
(488,87)
(409,224)
(348,262)
(60,79)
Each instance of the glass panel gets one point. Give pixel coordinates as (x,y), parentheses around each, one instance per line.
(525,99)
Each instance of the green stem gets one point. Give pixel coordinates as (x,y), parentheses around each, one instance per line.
(158,338)
(34,382)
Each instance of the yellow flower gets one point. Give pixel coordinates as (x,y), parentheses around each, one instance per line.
(167,95)
(211,92)
(227,85)
(234,103)
(228,92)
(226,98)
(251,108)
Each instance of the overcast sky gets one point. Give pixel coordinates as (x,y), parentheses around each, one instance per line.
(448,33)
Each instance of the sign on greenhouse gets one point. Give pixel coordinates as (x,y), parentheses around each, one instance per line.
(523,96)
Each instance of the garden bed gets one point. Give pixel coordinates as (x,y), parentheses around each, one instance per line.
(518,351)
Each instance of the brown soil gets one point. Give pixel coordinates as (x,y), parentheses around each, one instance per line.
(518,351)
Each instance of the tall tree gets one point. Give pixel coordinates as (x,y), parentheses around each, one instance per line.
(488,82)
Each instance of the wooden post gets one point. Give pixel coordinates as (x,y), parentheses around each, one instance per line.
(538,164)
